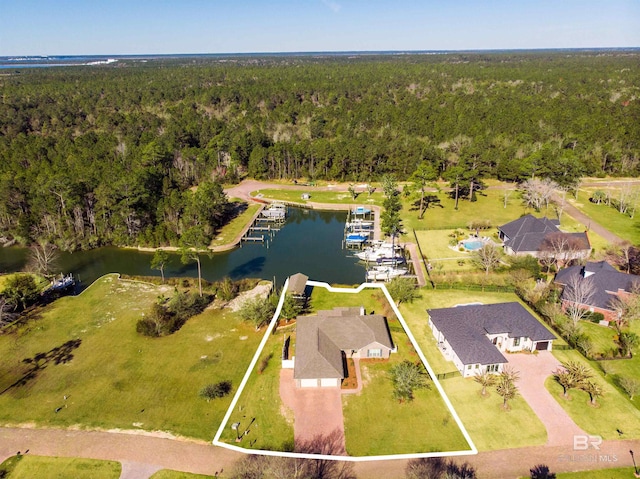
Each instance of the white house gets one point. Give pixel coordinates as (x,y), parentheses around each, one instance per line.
(475,336)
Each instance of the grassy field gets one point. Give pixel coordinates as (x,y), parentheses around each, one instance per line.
(614,411)
(87,349)
(260,399)
(366,434)
(616,222)
(489,207)
(331,197)
(232,229)
(612,473)
(490,426)
(169,474)
(29,467)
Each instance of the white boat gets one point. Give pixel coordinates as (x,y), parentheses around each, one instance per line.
(385,273)
(383,250)
(276,211)
(361,224)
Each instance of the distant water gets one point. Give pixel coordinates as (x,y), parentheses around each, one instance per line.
(45,61)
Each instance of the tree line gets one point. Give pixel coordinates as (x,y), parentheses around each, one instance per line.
(113,155)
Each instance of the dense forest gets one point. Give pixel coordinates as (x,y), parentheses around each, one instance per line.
(111,154)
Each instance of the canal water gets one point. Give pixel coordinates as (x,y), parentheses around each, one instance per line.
(310,242)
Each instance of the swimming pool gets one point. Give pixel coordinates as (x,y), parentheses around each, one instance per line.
(472,245)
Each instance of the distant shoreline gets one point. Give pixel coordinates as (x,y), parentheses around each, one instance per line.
(43,61)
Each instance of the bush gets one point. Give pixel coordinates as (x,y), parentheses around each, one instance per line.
(264,363)
(595,317)
(216,390)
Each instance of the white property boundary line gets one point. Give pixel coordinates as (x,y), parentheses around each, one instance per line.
(216,441)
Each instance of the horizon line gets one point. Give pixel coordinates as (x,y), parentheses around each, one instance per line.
(321,52)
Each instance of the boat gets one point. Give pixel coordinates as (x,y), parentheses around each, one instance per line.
(360,211)
(356,238)
(61,283)
(385,273)
(362,224)
(392,260)
(383,250)
(275,211)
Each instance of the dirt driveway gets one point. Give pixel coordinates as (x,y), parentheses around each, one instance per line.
(316,410)
(534,369)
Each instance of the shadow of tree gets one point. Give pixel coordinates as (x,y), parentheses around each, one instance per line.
(58,355)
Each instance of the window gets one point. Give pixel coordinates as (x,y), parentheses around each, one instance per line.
(469,366)
(492,368)
(477,366)
(374,353)
(516,341)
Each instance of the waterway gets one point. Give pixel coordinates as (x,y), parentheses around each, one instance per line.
(310,242)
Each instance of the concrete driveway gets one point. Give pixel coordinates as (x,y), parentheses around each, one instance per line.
(534,370)
(317,411)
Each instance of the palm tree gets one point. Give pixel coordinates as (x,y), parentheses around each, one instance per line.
(485,379)
(594,391)
(507,389)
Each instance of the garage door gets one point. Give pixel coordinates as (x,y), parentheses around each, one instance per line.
(542,345)
(309,383)
(328,382)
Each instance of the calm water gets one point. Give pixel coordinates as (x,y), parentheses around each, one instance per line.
(310,243)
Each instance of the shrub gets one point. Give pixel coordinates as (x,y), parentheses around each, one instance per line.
(264,362)
(216,390)
(595,317)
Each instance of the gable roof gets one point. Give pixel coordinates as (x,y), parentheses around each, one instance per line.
(466,329)
(606,280)
(321,339)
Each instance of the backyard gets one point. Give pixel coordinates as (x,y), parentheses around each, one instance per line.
(365,432)
(81,362)
(488,424)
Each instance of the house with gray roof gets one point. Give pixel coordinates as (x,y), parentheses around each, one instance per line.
(475,336)
(607,284)
(324,341)
(527,235)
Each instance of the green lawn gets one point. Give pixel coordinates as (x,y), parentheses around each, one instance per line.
(488,207)
(616,222)
(614,410)
(490,426)
(232,229)
(112,376)
(601,337)
(613,473)
(169,474)
(260,399)
(330,197)
(29,467)
(366,434)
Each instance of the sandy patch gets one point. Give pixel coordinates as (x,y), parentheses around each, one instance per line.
(260,291)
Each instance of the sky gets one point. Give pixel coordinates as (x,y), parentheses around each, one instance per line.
(130,27)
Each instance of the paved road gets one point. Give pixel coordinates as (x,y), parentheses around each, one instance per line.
(142,455)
